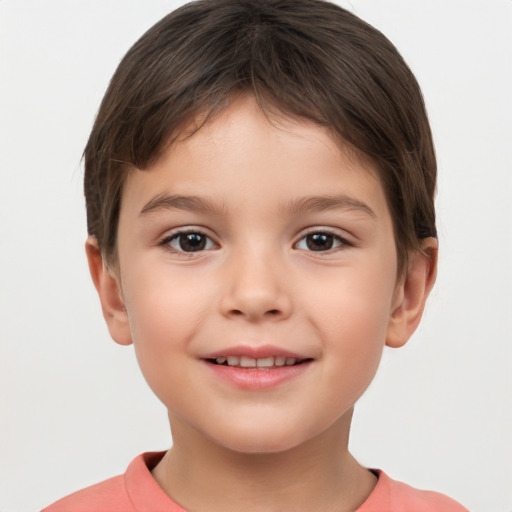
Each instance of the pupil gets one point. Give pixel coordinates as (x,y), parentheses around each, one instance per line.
(192,242)
(319,242)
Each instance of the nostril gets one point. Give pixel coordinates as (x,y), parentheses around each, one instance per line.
(273,312)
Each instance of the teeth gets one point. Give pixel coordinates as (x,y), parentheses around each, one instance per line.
(250,362)
(247,362)
(233,361)
(267,362)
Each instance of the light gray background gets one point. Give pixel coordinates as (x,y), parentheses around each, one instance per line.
(74,407)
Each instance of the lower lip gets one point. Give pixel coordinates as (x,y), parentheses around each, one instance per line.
(257,379)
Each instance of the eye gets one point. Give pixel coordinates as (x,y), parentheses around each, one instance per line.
(189,241)
(320,241)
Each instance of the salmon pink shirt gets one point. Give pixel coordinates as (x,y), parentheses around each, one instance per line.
(137,491)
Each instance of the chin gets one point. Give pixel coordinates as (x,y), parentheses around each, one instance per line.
(259,446)
(258,439)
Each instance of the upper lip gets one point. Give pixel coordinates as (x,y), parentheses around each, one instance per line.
(255,352)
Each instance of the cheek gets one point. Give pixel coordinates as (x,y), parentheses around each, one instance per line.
(355,340)
(352,302)
(352,318)
(162,305)
(164,316)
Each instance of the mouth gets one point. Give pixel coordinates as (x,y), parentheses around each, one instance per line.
(261,368)
(264,363)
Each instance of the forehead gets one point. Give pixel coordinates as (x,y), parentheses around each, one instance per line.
(244,154)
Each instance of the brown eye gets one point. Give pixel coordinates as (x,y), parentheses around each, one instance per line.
(190,242)
(320,241)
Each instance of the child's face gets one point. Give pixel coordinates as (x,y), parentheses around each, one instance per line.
(290,252)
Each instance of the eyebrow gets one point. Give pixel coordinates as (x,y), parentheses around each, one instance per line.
(175,202)
(309,204)
(323,203)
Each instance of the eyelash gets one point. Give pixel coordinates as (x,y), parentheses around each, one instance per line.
(166,242)
(341,242)
(336,239)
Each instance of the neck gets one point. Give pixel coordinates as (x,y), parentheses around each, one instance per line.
(320,474)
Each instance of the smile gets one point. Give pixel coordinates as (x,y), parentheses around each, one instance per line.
(264,363)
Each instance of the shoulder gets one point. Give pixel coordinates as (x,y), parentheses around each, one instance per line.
(132,491)
(392,496)
(109,495)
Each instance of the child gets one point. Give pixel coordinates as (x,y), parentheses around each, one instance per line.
(259,185)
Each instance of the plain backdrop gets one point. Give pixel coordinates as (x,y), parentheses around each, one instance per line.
(74,406)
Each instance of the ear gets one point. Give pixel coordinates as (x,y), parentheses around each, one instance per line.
(109,290)
(411,293)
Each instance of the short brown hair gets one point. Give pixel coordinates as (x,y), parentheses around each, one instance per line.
(308,58)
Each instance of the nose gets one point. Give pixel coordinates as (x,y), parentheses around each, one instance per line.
(256,288)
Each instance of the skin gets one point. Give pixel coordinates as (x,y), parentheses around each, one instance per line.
(257,281)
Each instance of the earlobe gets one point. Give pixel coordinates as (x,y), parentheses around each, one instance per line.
(110,294)
(411,293)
